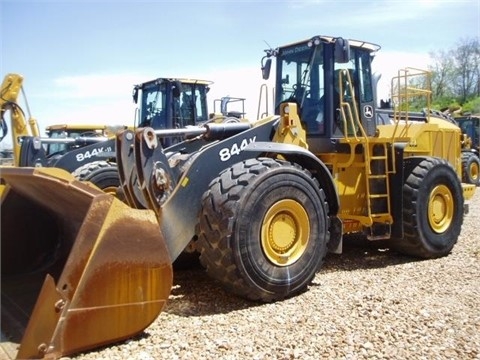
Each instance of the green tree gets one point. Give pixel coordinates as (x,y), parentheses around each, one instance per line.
(443,73)
(456,75)
(472,106)
(467,62)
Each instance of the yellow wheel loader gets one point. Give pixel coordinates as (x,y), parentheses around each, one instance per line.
(20,127)
(262,202)
(470,126)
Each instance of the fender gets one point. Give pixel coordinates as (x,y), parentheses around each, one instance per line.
(308,160)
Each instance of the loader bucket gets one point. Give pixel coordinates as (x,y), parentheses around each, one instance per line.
(80,269)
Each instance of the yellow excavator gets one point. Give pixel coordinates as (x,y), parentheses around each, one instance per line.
(60,147)
(262,202)
(60,138)
(9,93)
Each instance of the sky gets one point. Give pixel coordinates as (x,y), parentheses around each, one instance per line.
(80,59)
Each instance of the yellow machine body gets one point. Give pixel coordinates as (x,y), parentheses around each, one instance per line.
(261,202)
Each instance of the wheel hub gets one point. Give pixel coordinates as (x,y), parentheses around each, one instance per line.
(440,208)
(474,171)
(282,232)
(285,232)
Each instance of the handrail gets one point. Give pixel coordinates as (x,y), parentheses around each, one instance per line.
(353,117)
(405,87)
(265,113)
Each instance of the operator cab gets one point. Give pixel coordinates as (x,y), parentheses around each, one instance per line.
(171,104)
(326,77)
(470,126)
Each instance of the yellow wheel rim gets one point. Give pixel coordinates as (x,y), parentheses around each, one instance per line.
(285,232)
(440,208)
(474,170)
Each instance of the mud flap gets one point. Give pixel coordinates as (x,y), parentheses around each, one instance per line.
(105,268)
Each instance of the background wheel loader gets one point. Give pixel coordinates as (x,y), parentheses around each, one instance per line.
(88,151)
(61,138)
(469,139)
(60,147)
(262,202)
(470,126)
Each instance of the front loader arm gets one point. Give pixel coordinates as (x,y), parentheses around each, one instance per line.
(33,154)
(9,93)
(148,179)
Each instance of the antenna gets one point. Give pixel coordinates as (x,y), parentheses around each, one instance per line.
(269,46)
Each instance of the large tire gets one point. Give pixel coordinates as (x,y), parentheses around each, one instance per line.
(470,168)
(263,229)
(432,210)
(102,174)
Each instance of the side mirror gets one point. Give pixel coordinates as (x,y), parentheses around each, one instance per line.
(176,88)
(135,94)
(342,51)
(266,69)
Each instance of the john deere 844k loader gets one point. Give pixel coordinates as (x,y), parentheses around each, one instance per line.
(262,202)
(88,151)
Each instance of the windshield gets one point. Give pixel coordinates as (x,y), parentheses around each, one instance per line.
(301,78)
(152,107)
(57,148)
(332,90)
(470,127)
(300,75)
(192,105)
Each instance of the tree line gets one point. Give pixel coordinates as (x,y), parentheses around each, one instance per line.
(455,80)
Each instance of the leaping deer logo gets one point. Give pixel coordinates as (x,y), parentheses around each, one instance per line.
(368,111)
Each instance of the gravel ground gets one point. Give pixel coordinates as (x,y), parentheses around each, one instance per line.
(368,303)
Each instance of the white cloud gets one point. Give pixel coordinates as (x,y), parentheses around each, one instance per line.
(242,83)
(94,86)
(388,63)
(115,89)
(106,98)
(115,111)
(360,14)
